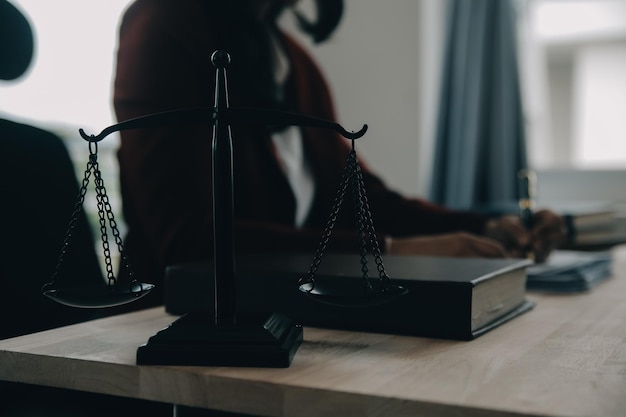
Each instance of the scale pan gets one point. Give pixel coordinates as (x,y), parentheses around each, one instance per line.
(348,293)
(98,296)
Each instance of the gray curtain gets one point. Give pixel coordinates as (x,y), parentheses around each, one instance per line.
(480,144)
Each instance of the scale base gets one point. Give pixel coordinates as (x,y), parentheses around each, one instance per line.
(260,340)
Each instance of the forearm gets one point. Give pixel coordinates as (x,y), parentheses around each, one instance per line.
(399,216)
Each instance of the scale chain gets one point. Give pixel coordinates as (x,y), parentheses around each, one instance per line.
(72,224)
(358,204)
(319,253)
(105,213)
(370,228)
(352,176)
(101,197)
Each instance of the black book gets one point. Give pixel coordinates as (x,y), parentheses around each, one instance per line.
(451,298)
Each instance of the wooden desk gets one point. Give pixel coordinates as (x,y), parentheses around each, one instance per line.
(567,357)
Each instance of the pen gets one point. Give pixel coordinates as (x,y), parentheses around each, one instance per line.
(527,181)
(527,185)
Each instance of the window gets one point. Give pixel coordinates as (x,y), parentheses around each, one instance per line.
(70,78)
(69,84)
(574,57)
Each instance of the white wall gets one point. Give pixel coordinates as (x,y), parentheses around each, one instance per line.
(577,47)
(383,66)
(600,125)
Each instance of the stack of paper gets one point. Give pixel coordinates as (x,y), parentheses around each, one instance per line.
(570,271)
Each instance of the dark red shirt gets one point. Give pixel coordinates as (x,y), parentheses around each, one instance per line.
(164,63)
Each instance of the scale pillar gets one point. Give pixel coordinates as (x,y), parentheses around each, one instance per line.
(223,201)
(223,339)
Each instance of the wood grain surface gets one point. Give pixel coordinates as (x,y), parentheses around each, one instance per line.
(567,357)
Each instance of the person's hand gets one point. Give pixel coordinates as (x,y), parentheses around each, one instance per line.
(548,232)
(459,244)
(511,233)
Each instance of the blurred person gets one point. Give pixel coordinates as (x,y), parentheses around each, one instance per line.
(286,178)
